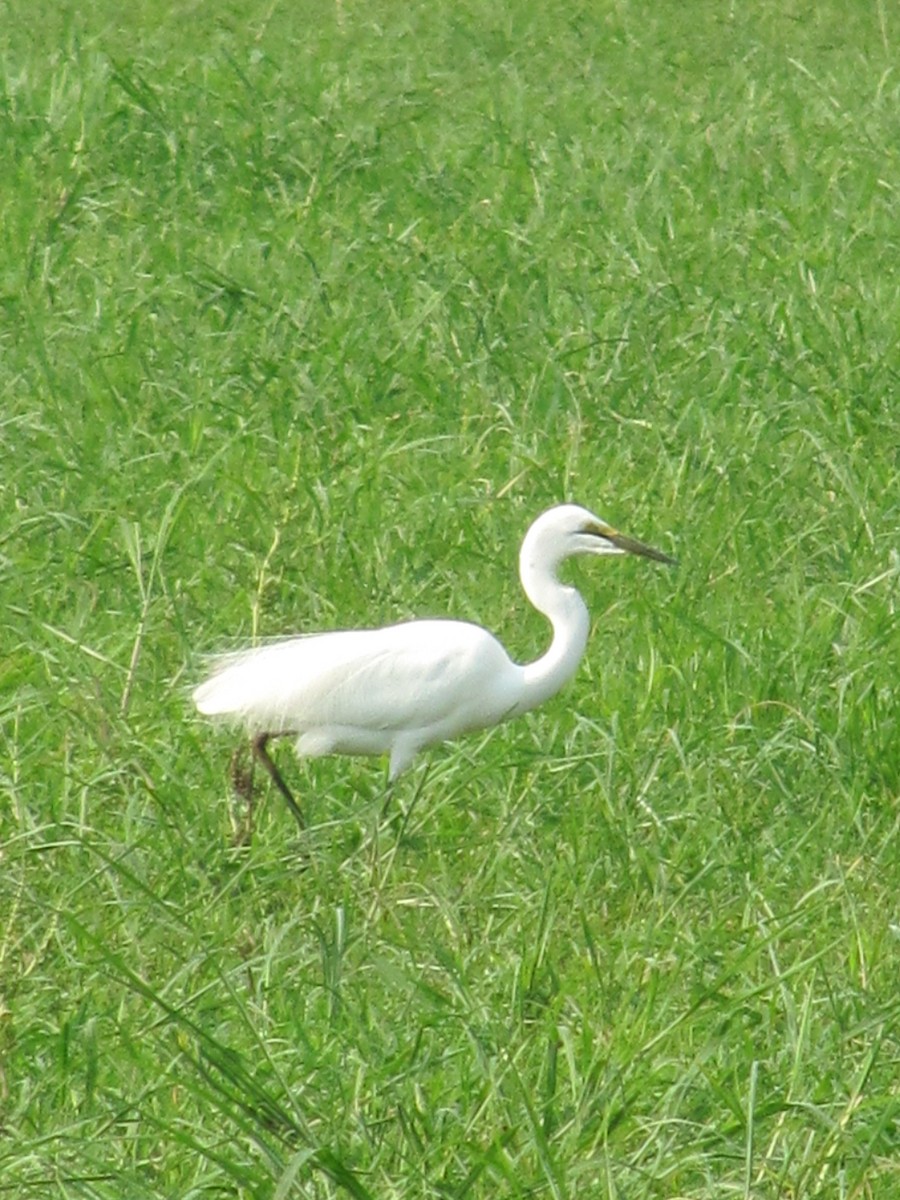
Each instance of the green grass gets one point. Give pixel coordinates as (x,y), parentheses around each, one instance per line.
(306,311)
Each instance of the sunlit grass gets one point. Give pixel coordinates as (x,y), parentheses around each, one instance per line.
(306,313)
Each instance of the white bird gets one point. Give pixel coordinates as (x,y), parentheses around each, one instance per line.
(401,688)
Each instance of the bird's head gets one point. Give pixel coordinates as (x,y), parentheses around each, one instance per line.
(569,529)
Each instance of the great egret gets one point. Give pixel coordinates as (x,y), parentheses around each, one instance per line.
(399,689)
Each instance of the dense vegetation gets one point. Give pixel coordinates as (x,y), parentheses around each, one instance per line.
(307,310)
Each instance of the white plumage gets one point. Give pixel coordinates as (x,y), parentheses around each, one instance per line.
(401,688)
(366,691)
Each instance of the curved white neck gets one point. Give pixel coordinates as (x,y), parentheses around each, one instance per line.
(568,614)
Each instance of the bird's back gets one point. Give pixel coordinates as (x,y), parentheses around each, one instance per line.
(420,675)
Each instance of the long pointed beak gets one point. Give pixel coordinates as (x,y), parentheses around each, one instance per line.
(631,545)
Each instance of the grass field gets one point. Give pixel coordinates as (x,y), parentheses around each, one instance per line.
(307,310)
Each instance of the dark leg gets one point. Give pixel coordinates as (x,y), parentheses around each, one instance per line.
(415,800)
(242,782)
(259,749)
(405,814)
(388,794)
